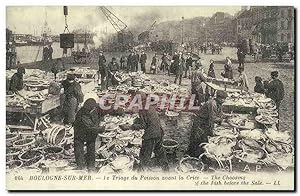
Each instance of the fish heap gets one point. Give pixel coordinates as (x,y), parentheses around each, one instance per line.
(119,146)
(267,147)
(249,99)
(79,72)
(251,138)
(31,75)
(26,98)
(140,81)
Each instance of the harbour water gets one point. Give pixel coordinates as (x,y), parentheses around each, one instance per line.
(27,54)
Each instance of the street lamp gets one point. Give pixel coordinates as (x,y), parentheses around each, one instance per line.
(205,33)
(182,30)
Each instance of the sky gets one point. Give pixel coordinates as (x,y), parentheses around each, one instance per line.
(27,19)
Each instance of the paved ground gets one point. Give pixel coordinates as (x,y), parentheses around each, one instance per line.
(286,74)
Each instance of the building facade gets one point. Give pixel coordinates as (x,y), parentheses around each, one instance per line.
(266,24)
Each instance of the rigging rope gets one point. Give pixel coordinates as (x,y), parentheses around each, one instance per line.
(66,25)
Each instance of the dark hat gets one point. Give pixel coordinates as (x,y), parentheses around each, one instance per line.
(258,79)
(240,69)
(274,73)
(113,59)
(221,95)
(90,104)
(70,76)
(21,70)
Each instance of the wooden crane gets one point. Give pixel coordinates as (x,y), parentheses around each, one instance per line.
(117,23)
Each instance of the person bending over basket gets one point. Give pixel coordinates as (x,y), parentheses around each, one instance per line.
(86,128)
(152,138)
(203,123)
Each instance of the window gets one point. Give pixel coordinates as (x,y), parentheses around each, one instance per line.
(282,25)
(289,24)
(282,37)
(282,13)
(290,13)
(289,37)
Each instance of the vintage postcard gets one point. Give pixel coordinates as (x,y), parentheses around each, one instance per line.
(187,98)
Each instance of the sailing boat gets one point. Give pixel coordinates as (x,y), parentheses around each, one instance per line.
(45,38)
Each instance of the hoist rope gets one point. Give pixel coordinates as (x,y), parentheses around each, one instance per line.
(66,25)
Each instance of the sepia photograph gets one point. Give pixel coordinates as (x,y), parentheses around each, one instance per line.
(150,98)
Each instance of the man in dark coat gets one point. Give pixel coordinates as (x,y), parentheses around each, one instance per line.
(143,61)
(73,97)
(136,58)
(130,62)
(203,123)
(45,53)
(197,78)
(164,62)
(113,67)
(241,57)
(259,86)
(211,70)
(174,61)
(103,70)
(86,128)
(179,67)
(50,52)
(275,89)
(188,65)
(123,60)
(152,138)
(16,82)
(153,65)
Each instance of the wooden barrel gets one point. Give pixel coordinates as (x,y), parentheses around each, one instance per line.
(56,135)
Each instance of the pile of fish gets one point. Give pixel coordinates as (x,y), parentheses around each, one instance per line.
(79,72)
(267,146)
(119,146)
(139,81)
(250,99)
(31,75)
(26,98)
(36,83)
(249,138)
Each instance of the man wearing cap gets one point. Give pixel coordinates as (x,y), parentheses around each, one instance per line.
(259,86)
(73,97)
(275,89)
(164,62)
(113,67)
(136,58)
(179,67)
(197,78)
(152,138)
(16,82)
(153,65)
(241,57)
(203,123)
(103,70)
(143,60)
(242,79)
(130,62)
(123,60)
(189,64)
(86,129)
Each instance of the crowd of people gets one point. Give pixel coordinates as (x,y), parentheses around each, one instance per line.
(47,52)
